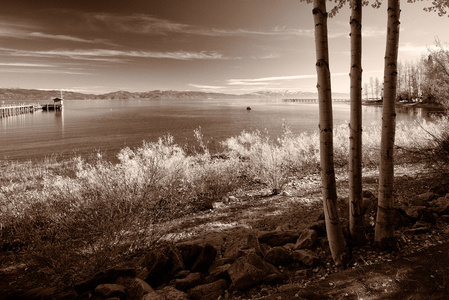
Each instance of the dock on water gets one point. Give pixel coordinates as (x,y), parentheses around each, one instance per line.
(14,110)
(19,109)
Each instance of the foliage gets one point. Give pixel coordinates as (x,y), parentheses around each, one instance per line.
(75,217)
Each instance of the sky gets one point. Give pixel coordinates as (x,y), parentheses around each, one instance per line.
(227,46)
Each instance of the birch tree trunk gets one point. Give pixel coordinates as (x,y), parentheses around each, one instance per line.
(384,233)
(356,226)
(329,190)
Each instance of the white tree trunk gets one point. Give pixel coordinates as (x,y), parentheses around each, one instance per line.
(356,226)
(384,232)
(334,233)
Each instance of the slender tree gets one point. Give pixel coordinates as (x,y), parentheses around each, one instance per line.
(356,226)
(384,237)
(329,190)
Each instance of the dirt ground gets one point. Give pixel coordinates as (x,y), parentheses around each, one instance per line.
(422,275)
(420,270)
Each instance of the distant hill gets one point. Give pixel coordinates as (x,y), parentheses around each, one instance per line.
(44,95)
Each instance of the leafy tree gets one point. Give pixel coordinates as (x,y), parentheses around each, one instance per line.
(436,71)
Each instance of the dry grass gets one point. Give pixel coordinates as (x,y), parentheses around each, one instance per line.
(73,218)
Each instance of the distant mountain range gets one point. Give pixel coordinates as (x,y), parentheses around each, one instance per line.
(41,95)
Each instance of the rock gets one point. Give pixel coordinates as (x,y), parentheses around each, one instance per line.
(236,247)
(401,219)
(319,227)
(278,238)
(108,276)
(193,279)
(169,293)
(153,296)
(208,291)
(111,290)
(162,264)
(440,206)
(278,256)
(220,272)
(302,274)
(274,279)
(306,240)
(135,288)
(420,213)
(247,271)
(190,253)
(424,199)
(441,189)
(306,257)
(220,262)
(205,259)
(412,212)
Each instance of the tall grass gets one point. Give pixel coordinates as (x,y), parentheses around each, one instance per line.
(79,216)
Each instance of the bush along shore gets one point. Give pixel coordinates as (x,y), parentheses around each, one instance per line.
(166,223)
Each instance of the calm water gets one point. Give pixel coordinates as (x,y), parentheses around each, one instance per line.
(108,126)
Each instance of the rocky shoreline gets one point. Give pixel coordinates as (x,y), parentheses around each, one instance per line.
(251,264)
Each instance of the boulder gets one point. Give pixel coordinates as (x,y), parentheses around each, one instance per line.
(440,206)
(135,288)
(208,291)
(319,227)
(168,293)
(190,253)
(420,213)
(401,218)
(424,199)
(274,279)
(220,272)
(205,259)
(305,257)
(108,276)
(306,239)
(162,264)
(279,238)
(247,271)
(109,290)
(237,247)
(191,280)
(278,256)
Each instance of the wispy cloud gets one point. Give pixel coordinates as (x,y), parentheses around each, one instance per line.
(266,80)
(206,87)
(150,25)
(115,55)
(27,65)
(40,35)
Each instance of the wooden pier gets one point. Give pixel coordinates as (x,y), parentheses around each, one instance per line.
(14,110)
(312,100)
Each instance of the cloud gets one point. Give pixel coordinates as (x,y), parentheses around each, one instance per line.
(150,25)
(206,87)
(64,38)
(266,80)
(115,55)
(25,65)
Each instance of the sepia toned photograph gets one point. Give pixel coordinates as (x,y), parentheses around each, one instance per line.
(224,149)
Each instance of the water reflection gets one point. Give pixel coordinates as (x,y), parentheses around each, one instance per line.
(85,126)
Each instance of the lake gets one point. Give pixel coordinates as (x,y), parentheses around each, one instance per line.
(83,127)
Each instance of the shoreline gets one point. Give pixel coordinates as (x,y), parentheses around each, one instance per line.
(433,106)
